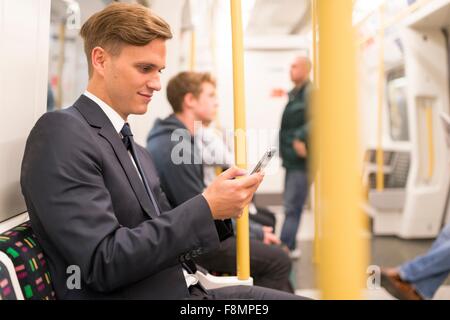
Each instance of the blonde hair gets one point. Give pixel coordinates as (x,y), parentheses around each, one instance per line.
(119,24)
(186,82)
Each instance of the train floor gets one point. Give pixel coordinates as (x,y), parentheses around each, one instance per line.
(385,251)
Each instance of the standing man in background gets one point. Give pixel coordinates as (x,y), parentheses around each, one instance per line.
(294,150)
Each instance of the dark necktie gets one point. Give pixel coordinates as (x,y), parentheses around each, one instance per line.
(129,144)
(127,140)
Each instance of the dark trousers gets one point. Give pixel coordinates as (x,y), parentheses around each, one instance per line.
(270,266)
(295,193)
(241,292)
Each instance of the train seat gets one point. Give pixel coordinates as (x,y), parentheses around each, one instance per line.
(22,262)
(24,273)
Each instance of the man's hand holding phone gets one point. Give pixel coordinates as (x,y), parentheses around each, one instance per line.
(227,197)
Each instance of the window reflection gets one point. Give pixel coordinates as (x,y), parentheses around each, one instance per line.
(398,105)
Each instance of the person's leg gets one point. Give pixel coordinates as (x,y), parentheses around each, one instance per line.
(269,265)
(443,237)
(429,271)
(250,293)
(295,193)
(427,288)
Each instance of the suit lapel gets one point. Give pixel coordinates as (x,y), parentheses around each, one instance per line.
(97,118)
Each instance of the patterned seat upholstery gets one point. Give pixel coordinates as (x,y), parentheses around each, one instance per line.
(29,262)
(7,291)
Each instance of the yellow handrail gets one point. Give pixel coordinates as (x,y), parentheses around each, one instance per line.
(405,12)
(243,243)
(429,121)
(399,16)
(381,74)
(193,56)
(365,19)
(343,249)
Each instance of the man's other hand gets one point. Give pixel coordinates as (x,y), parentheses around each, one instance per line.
(300,148)
(227,197)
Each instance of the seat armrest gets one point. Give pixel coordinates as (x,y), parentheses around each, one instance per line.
(208,281)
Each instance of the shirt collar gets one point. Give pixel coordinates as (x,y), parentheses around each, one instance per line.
(112,115)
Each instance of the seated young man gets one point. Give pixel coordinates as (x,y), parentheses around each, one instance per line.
(177,158)
(93,194)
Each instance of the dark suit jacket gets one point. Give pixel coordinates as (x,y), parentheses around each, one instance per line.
(89,208)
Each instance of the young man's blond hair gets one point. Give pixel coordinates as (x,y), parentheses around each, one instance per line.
(122,24)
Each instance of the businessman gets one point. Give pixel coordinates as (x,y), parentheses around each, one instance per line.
(93,194)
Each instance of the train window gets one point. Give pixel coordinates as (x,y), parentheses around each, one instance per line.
(67,66)
(398,105)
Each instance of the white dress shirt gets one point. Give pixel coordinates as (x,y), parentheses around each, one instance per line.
(118,123)
(116,120)
(214,152)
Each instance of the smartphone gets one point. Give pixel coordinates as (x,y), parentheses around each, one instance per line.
(264,160)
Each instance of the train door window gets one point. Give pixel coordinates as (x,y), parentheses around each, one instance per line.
(398,105)
(67,63)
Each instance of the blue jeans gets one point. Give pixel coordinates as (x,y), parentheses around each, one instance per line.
(295,193)
(429,271)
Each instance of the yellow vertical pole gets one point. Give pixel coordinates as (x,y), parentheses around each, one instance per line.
(193,57)
(379,151)
(342,247)
(314,170)
(243,245)
(429,122)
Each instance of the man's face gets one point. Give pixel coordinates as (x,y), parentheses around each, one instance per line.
(132,76)
(205,106)
(299,71)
